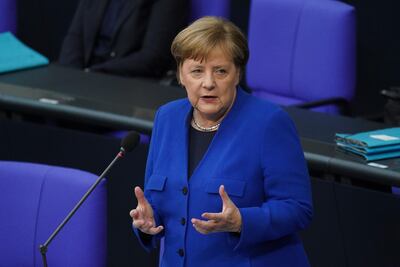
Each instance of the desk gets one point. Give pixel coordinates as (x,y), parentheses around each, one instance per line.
(127,103)
(90,98)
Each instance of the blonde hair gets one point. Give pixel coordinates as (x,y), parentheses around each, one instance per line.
(198,39)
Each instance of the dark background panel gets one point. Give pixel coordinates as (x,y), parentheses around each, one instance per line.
(370,223)
(42,24)
(323,240)
(378,54)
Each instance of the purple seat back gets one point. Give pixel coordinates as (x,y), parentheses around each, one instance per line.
(301,50)
(8,16)
(201,8)
(35,199)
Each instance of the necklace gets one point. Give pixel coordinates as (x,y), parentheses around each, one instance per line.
(204,129)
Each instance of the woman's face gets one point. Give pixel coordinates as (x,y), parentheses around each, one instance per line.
(210,84)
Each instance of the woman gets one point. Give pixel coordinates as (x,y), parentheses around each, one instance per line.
(226,182)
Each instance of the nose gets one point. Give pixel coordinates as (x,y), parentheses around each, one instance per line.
(208,81)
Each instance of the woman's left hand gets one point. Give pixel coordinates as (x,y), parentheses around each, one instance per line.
(228,220)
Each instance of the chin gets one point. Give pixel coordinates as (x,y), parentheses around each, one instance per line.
(209,112)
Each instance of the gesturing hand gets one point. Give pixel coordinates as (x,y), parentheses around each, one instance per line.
(228,220)
(143,216)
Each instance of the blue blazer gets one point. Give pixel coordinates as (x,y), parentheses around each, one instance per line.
(257,156)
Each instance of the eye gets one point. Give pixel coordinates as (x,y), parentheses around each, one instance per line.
(196,71)
(221,71)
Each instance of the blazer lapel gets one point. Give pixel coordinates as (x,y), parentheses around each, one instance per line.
(92,21)
(183,132)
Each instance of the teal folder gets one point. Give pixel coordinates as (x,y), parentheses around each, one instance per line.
(371,139)
(14,55)
(370,150)
(369,157)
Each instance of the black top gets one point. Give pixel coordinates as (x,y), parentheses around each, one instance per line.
(198,145)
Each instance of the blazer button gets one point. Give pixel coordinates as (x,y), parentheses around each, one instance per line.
(183,221)
(184,190)
(181,252)
(113,54)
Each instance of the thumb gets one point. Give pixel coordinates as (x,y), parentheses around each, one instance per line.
(140,196)
(224,195)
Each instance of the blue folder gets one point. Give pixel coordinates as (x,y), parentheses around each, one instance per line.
(371,139)
(369,157)
(371,145)
(14,55)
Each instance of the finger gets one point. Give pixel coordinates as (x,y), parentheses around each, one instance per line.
(213,216)
(143,225)
(197,228)
(133,213)
(201,231)
(140,196)
(155,230)
(204,226)
(138,223)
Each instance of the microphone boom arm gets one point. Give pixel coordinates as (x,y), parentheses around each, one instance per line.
(43,248)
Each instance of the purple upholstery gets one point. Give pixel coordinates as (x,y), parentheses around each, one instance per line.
(301,50)
(8,12)
(396,190)
(201,8)
(35,199)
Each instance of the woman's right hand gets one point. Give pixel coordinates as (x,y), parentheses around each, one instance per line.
(143,216)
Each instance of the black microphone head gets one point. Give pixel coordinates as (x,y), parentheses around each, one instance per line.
(130,141)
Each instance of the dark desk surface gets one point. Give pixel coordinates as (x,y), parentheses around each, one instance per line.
(127,103)
(93,98)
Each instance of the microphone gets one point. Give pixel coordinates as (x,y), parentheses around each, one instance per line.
(128,143)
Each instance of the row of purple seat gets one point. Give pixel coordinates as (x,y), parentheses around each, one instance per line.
(35,199)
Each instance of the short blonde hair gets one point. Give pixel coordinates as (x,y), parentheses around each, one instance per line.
(198,39)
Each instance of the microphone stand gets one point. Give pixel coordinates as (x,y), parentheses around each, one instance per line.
(43,248)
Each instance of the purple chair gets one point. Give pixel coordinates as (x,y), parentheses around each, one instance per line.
(8,16)
(302,52)
(201,8)
(34,199)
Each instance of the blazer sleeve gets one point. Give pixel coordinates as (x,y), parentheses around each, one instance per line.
(72,53)
(288,204)
(150,241)
(167,17)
